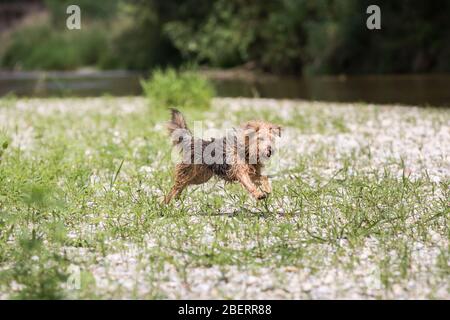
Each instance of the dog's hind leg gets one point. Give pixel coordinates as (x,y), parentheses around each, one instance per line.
(183,174)
(174,192)
(186,175)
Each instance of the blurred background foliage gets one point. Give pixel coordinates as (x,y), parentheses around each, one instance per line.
(284,36)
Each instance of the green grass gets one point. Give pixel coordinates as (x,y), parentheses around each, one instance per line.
(81,183)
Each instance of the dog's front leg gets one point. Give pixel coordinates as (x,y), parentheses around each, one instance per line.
(248,184)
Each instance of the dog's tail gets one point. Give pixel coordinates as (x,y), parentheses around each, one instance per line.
(177,128)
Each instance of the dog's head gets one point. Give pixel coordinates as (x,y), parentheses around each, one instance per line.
(260,139)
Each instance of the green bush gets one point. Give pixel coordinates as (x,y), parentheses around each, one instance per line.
(43,47)
(286,36)
(178,89)
(137,41)
(223,40)
(302,36)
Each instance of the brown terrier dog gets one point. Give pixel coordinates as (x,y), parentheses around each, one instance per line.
(239,157)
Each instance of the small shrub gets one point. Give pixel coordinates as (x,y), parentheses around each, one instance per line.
(185,89)
(38,272)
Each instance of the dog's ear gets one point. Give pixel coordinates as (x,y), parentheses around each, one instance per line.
(276,130)
(250,127)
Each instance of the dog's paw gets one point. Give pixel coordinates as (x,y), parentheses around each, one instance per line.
(266,187)
(260,196)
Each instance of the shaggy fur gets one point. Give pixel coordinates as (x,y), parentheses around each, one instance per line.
(250,148)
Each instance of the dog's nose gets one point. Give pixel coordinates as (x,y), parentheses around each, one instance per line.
(269,151)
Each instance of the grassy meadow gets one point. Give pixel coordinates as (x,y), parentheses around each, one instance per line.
(360,204)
